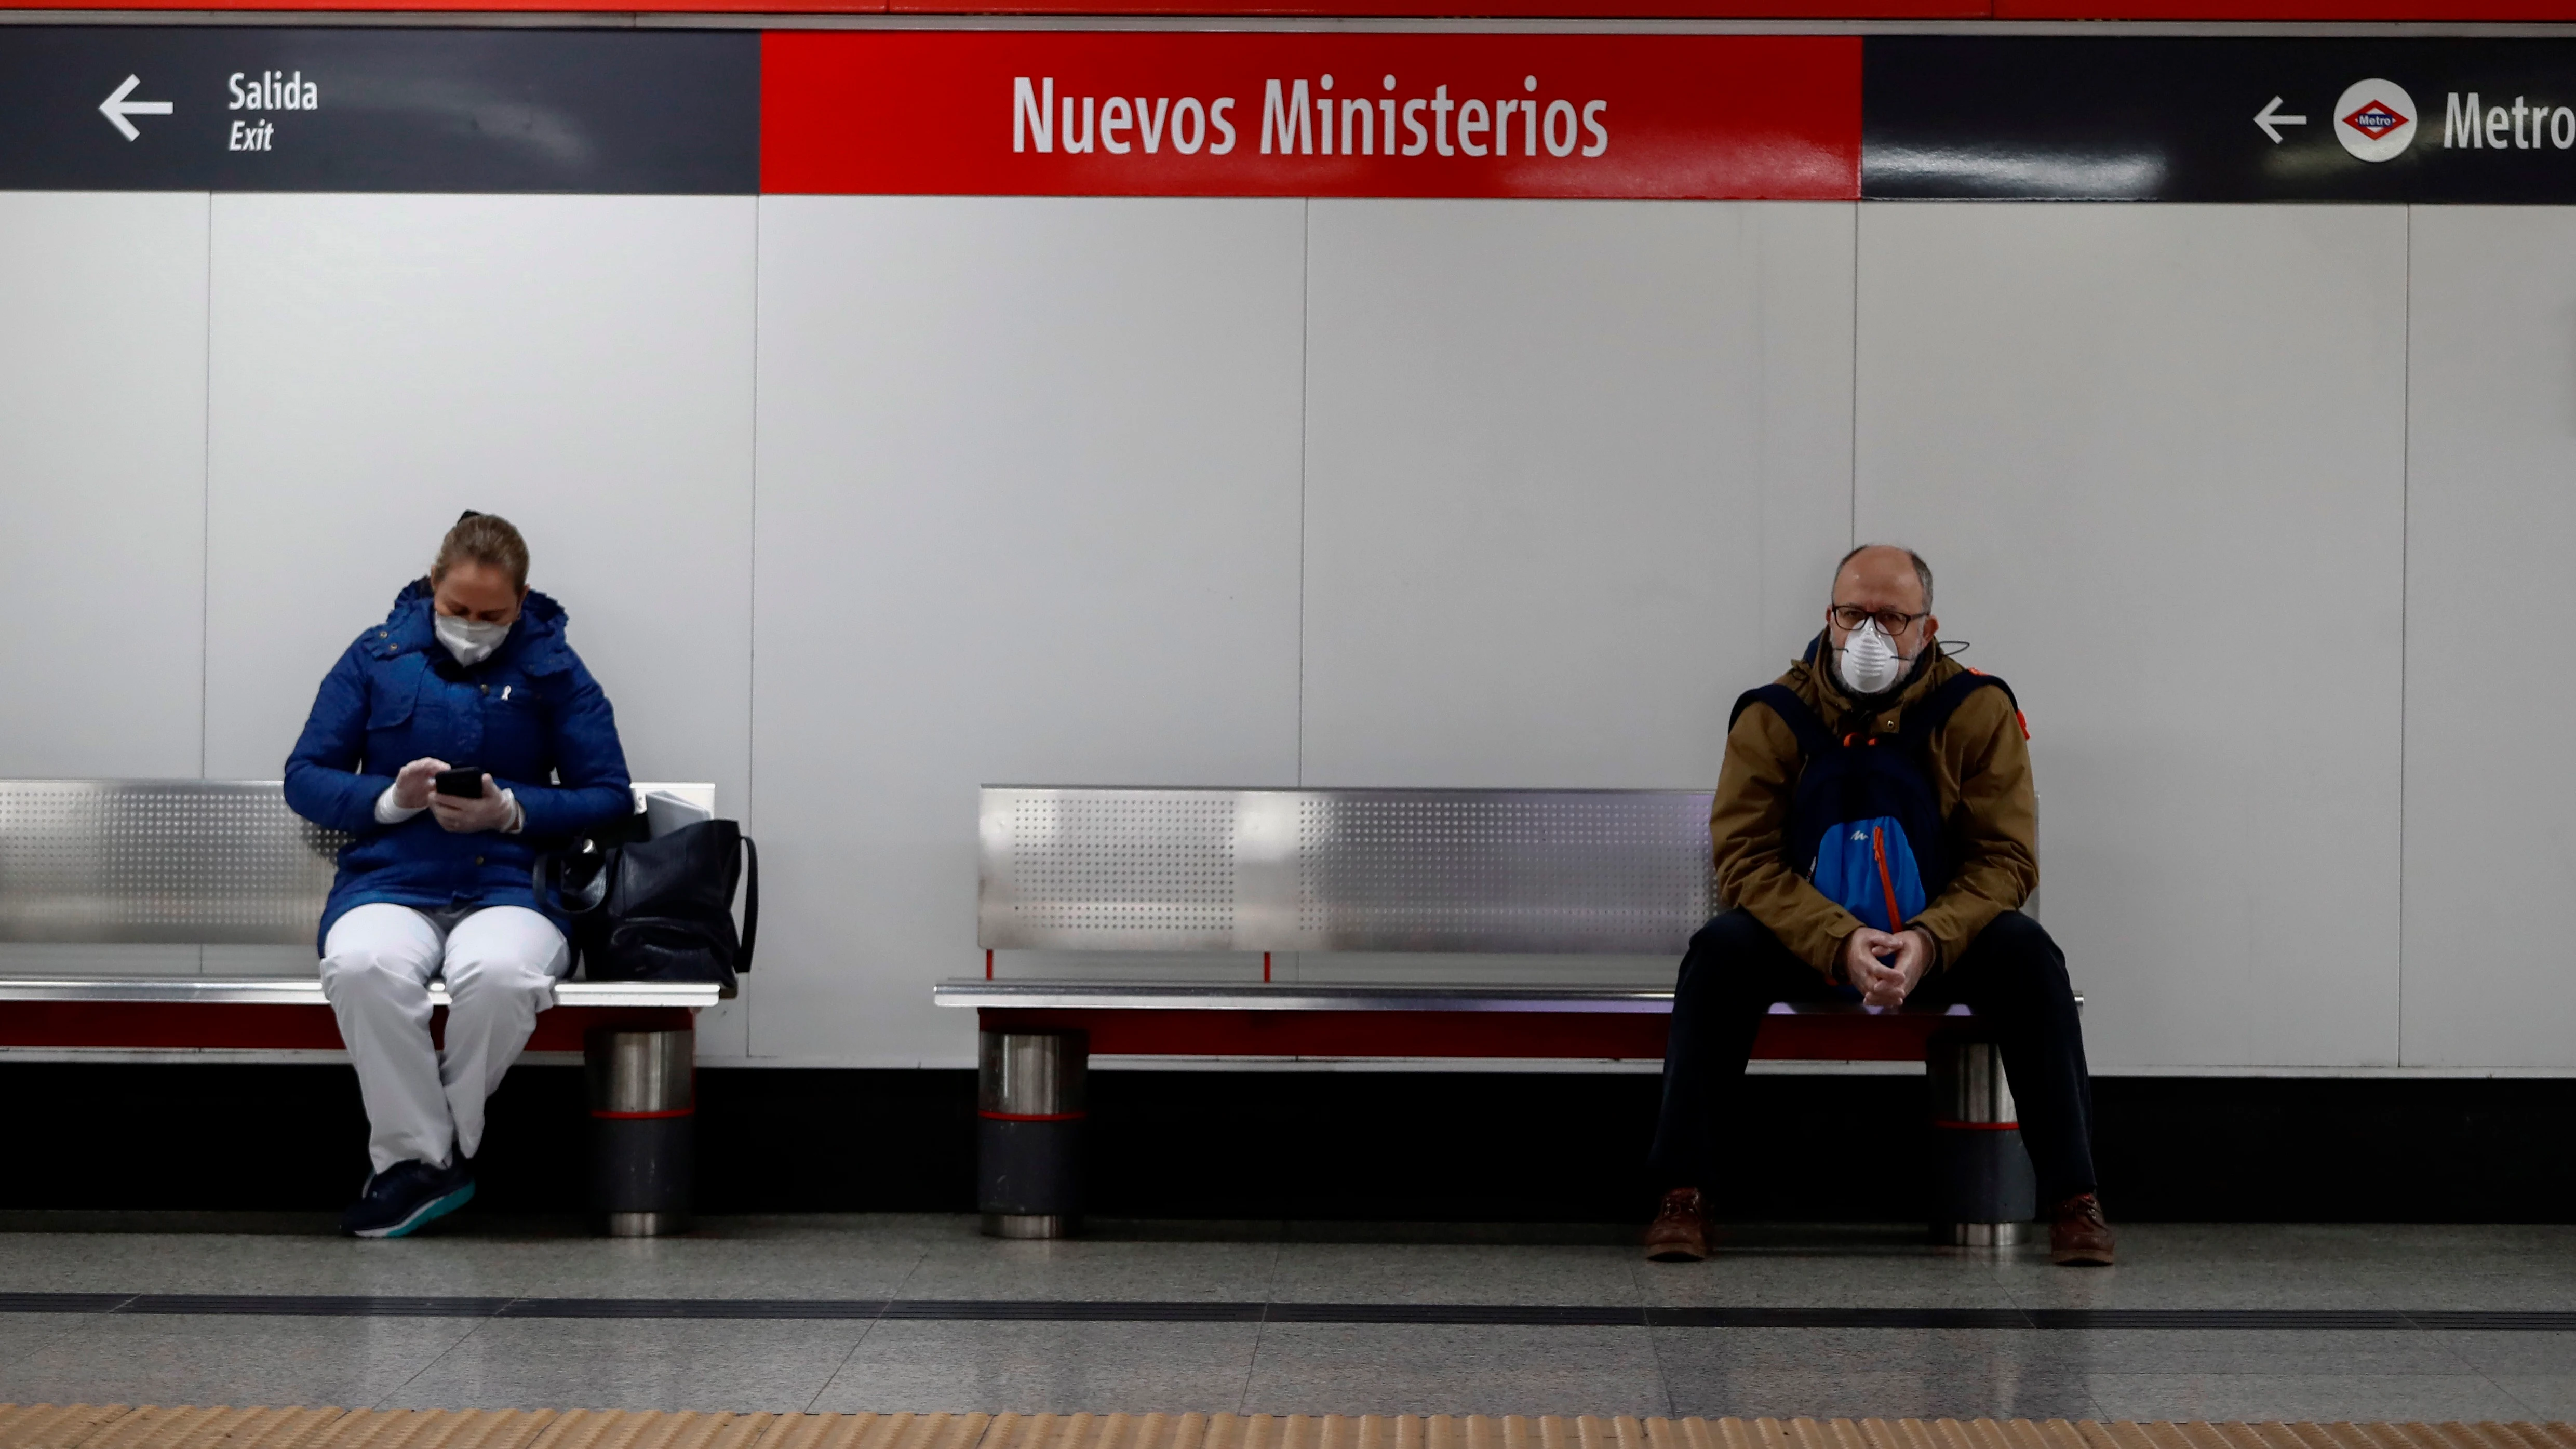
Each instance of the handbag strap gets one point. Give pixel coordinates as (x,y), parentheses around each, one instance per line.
(546,873)
(750,905)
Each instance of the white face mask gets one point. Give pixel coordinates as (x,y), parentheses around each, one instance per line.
(470,640)
(1871,664)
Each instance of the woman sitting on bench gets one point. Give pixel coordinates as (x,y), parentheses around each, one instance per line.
(456,741)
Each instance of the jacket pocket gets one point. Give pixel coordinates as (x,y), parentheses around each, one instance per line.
(514,731)
(393,692)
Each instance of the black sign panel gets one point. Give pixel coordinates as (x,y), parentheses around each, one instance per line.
(252,108)
(2172,119)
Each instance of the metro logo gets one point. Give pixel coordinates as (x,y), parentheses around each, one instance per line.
(2375,119)
(1217,114)
(2373,123)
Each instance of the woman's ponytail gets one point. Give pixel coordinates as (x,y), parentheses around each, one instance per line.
(487,539)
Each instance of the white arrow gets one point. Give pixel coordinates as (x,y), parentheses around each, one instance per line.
(116,108)
(2271,119)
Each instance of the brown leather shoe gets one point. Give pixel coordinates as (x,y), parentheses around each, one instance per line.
(2077,1235)
(1679,1233)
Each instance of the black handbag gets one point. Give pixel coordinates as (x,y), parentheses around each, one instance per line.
(661,909)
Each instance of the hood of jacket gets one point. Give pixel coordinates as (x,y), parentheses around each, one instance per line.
(536,639)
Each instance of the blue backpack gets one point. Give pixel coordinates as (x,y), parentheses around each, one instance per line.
(1865,824)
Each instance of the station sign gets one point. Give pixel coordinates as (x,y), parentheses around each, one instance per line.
(2219,119)
(258,108)
(1201,114)
(1160,113)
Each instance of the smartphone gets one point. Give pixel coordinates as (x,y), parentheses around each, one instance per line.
(465,781)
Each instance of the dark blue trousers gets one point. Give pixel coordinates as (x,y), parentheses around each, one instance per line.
(2012,975)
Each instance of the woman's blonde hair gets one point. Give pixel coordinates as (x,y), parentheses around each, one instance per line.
(487,539)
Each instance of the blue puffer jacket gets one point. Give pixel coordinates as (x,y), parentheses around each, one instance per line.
(530,716)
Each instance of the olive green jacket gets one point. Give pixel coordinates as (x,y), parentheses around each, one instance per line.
(1980,764)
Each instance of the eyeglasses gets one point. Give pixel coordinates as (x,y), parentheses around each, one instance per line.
(1894,621)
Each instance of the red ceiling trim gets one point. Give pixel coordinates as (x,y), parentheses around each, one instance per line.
(2365,11)
(1476,9)
(2211,11)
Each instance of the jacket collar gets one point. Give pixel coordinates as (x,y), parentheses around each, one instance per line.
(1836,706)
(536,642)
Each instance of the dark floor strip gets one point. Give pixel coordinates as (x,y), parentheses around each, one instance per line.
(692,1308)
(1838,1318)
(2531,1321)
(1054,1310)
(63,1302)
(2209,1318)
(1531,1314)
(310,1305)
(1051,1310)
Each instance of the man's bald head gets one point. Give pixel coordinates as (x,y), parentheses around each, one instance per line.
(1889,585)
(1883,570)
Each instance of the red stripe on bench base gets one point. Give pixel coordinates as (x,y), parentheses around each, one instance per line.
(561,1028)
(1536,1035)
(145,1025)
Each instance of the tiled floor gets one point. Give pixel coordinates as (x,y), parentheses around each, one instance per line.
(783,1363)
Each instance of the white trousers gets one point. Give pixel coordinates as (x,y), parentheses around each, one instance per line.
(501,964)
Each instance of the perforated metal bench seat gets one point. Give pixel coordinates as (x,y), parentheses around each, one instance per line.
(212,862)
(288,1014)
(1524,872)
(161,863)
(1474,872)
(307,991)
(1419,1020)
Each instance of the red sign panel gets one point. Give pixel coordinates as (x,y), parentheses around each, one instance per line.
(1773,117)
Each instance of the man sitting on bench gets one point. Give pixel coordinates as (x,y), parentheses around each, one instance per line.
(1874,827)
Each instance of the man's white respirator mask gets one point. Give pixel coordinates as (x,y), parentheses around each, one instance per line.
(1871,664)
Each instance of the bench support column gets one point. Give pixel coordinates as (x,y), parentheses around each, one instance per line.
(1984,1192)
(1029,1131)
(643,1128)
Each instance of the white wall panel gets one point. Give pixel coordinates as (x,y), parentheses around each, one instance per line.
(1576,472)
(1366,492)
(102,444)
(582,365)
(2156,453)
(1028,513)
(2490,853)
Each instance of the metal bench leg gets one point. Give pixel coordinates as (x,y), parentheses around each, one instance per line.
(1028,1131)
(1983,1191)
(643,1128)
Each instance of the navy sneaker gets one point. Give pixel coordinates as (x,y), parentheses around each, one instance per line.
(406,1197)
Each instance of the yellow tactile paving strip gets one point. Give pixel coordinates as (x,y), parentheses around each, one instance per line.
(92,1426)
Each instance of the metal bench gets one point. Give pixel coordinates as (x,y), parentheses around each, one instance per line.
(1571,872)
(225,862)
